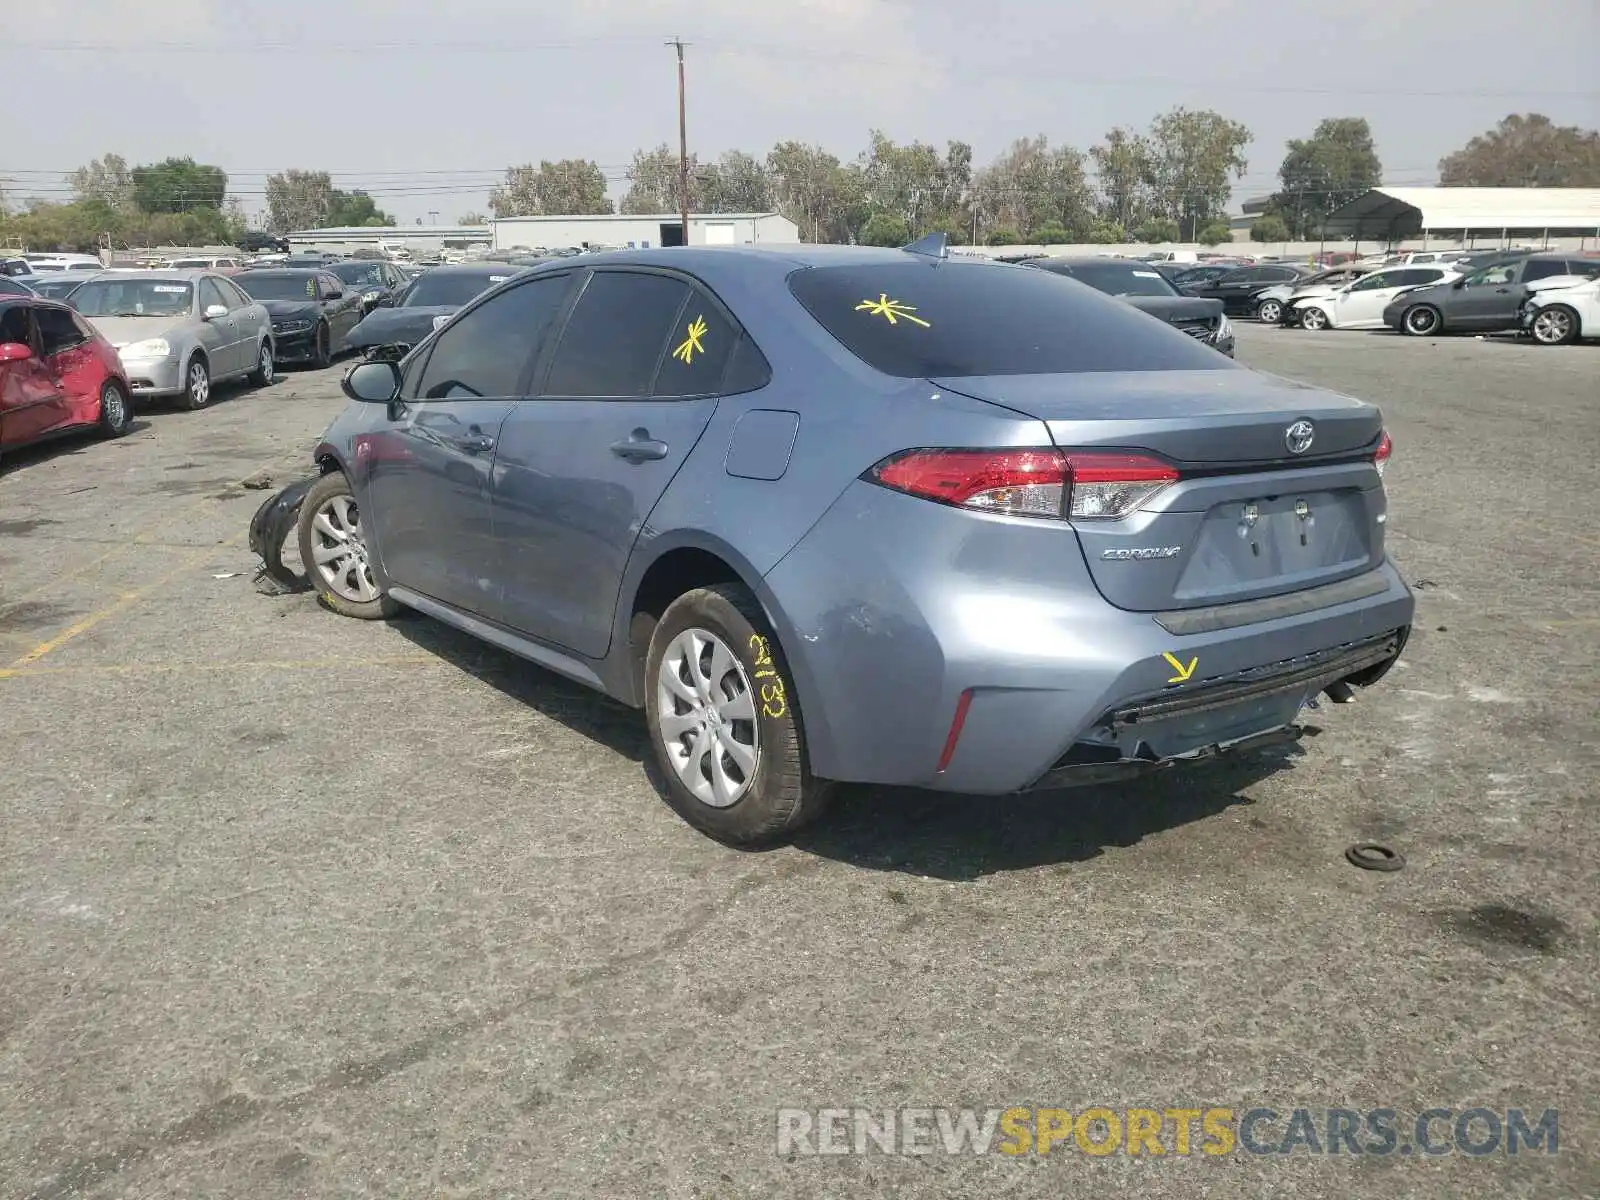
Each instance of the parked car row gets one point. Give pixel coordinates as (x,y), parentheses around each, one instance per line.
(1508,294)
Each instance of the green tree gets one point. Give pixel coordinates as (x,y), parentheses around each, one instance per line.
(1052,233)
(885,229)
(570,187)
(299,200)
(1033,184)
(1156,229)
(351,209)
(821,195)
(1107,233)
(106,181)
(1124,163)
(653,182)
(1269,227)
(1526,150)
(1332,167)
(177,185)
(1001,236)
(1215,233)
(736,182)
(916,182)
(1192,155)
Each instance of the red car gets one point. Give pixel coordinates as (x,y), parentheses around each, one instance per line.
(57,374)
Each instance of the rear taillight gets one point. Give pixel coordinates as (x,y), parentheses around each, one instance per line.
(1380,457)
(1076,484)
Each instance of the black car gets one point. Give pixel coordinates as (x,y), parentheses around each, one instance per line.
(1238,288)
(379,282)
(1148,290)
(1188,273)
(312,311)
(428,302)
(1485,300)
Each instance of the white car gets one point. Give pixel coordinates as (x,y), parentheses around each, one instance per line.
(1272,305)
(204,264)
(1563,308)
(1360,305)
(63,262)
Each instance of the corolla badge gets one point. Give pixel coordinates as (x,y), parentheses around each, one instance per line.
(1299,436)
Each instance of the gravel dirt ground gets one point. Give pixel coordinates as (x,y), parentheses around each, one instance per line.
(298,906)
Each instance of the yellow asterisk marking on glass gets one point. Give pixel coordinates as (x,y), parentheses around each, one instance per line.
(893,310)
(690,346)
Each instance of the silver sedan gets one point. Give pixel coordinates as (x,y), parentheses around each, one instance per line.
(179,332)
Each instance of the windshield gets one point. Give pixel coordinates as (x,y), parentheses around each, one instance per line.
(134,298)
(914,319)
(276,285)
(450,289)
(1115,279)
(362,274)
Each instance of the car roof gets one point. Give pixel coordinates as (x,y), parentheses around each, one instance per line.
(257,272)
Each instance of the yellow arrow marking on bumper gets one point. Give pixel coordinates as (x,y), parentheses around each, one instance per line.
(1183,672)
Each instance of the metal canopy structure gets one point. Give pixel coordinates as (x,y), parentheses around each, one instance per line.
(1391,214)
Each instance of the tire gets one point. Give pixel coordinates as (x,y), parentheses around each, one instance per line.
(196,384)
(330,521)
(1422,320)
(1555,325)
(737,805)
(265,369)
(116,410)
(322,357)
(1269,312)
(1313,319)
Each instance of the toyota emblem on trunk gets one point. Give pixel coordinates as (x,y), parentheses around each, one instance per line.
(1299,436)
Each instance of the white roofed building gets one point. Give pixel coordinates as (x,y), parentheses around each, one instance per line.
(1470,214)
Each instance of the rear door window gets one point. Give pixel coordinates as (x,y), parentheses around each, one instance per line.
(57,330)
(618,334)
(916,319)
(698,356)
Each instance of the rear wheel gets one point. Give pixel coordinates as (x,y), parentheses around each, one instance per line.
(322,356)
(197,384)
(1555,326)
(262,375)
(1313,319)
(333,550)
(116,413)
(723,720)
(1269,311)
(1421,320)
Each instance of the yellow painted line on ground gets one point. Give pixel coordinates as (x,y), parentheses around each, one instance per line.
(125,601)
(310,664)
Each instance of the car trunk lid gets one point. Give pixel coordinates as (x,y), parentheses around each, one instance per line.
(1247,518)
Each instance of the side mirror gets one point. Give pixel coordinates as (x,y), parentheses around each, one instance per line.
(374,381)
(213,311)
(15,352)
(1458,285)
(334,296)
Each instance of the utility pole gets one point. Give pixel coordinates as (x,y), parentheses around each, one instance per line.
(683,145)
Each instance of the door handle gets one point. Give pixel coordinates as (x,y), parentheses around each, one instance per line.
(639,447)
(478,443)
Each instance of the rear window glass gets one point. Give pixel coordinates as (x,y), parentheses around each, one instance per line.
(914,319)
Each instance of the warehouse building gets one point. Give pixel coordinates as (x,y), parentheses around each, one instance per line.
(629,230)
(1568,217)
(419,240)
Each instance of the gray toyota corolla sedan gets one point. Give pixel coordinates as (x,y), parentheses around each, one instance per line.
(885,516)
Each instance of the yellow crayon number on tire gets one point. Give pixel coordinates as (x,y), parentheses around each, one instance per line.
(774,700)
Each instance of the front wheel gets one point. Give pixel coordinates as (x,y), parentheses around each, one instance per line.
(721,709)
(1555,326)
(1313,318)
(333,550)
(1421,320)
(1269,312)
(323,354)
(197,384)
(116,413)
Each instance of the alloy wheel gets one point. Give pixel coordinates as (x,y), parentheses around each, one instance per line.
(1421,321)
(1270,312)
(706,715)
(199,384)
(339,551)
(1552,327)
(112,407)
(1314,319)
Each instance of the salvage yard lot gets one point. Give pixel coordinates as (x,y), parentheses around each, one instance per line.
(292,905)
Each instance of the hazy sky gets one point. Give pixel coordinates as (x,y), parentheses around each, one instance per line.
(425,102)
